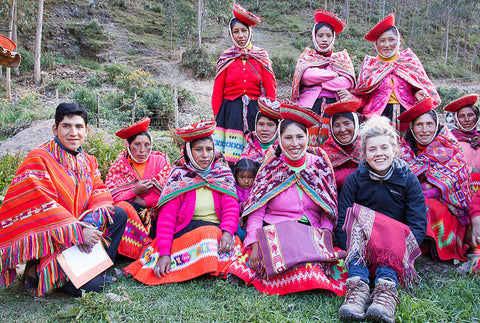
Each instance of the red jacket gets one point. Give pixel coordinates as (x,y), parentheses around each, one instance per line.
(178,213)
(239,79)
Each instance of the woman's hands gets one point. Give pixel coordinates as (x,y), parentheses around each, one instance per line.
(253,259)
(421,95)
(226,242)
(162,268)
(143,187)
(344,95)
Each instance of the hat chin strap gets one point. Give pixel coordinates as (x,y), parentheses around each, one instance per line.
(317,47)
(193,162)
(355,133)
(462,128)
(393,52)
(433,137)
(233,39)
(134,159)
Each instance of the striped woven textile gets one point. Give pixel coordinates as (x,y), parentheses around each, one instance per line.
(50,194)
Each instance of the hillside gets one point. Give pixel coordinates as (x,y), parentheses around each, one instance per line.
(82,39)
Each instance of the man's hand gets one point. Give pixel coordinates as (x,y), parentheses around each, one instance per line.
(90,237)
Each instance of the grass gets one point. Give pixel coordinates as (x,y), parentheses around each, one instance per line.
(440,297)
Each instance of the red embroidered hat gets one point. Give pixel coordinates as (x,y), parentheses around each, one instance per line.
(417,110)
(307,117)
(342,106)
(132,130)
(387,22)
(462,102)
(7,43)
(201,129)
(325,16)
(269,107)
(245,16)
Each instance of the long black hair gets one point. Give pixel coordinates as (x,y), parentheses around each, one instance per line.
(245,165)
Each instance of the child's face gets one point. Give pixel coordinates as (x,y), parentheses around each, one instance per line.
(245,179)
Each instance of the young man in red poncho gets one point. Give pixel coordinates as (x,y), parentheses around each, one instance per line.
(56,200)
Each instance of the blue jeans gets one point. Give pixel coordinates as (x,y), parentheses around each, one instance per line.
(362,271)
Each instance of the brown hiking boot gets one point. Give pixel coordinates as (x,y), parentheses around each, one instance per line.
(358,294)
(385,299)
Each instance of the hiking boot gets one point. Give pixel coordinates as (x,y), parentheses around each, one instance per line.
(385,299)
(358,294)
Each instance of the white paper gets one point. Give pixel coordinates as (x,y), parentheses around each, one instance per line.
(80,262)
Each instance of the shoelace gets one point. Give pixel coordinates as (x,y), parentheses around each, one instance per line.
(383,295)
(353,289)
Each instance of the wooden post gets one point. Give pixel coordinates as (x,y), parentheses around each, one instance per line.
(38,45)
(175,102)
(199,23)
(7,70)
(16,71)
(57,98)
(98,110)
(134,107)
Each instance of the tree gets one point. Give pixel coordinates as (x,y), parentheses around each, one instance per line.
(200,23)
(38,44)
(7,70)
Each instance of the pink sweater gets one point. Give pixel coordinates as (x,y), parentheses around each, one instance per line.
(178,213)
(286,206)
(321,82)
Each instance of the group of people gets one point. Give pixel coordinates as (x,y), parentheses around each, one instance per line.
(350,180)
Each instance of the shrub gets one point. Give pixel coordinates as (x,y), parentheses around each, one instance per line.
(87,98)
(15,116)
(133,82)
(64,86)
(47,60)
(158,100)
(8,167)
(199,61)
(91,36)
(284,67)
(105,149)
(448,94)
(95,80)
(115,70)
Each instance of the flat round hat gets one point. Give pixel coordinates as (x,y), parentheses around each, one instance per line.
(7,43)
(417,110)
(307,117)
(133,129)
(384,24)
(245,16)
(269,107)
(456,105)
(342,106)
(333,20)
(201,129)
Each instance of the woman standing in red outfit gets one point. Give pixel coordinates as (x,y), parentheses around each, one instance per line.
(243,73)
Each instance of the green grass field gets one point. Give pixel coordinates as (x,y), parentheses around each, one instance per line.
(442,295)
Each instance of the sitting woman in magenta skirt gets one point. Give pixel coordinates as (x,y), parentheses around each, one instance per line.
(382,213)
(135,180)
(264,137)
(291,213)
(467,116)
(322,76)
(197,218)
(243,73)
(343,146)
(394,80)
(436,158)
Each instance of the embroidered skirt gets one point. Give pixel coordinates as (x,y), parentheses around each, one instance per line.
(319,134)
(234,119)
(193,254)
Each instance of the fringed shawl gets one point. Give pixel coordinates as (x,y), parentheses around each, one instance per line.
(340,62)
(381,240)
(338,156)
(185,178)
(254,151)
(122,177)
(40,216)
(275,176)
(472,137)
(407,67)
(231,54)
(444,166)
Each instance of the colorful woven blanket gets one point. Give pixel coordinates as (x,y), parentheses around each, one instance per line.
(193,254)
(231,54)
(408,67)
(340,62)
(40,216)
(444,166)
(338,156)
(275,176)
(381,240)
(253,150)
(473,137)
(185,178)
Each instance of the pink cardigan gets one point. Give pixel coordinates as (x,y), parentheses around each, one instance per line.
(178,213)
(286,206)
(320,82)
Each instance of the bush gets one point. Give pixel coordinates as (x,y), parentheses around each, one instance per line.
(8,167)
(284,67)
(47,60)
(104,149)
(448,94)
(17,116)
(64,86)
(133,82)
(91,36)
(115,70)
(95,80)
(87,98)
(199,61)
(158,100)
